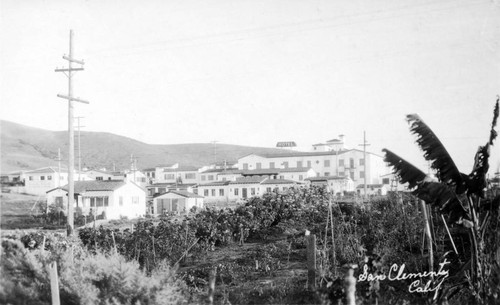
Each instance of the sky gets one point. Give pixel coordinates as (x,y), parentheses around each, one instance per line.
(257,72)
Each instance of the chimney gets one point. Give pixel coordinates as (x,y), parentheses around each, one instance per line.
(342,142)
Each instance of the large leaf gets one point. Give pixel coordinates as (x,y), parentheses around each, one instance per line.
(422,186)
(436,153)
(406,171)
(477,182)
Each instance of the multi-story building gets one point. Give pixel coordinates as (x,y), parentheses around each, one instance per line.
(342,163)
(179,174)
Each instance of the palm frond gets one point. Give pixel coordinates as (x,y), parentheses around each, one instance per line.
(477,178)
(493,133)
(435,152)
(422,186)
(407,172)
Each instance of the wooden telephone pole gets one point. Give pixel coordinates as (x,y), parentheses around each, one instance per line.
(79,148)
(71,159)
(364,158)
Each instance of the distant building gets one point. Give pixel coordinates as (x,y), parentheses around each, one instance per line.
(335,184)
(179,174)
(39,181)
(115,198)
(373,189)
(180,202)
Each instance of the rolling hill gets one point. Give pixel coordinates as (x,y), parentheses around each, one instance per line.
(24,147)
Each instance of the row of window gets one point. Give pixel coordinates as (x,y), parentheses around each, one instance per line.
(326,163)
(245,192)
(49,177)
(186,176)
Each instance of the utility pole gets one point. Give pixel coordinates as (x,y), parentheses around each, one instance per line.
(364,158)
(79,148)
(71,156)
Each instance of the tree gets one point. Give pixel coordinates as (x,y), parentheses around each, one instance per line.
(462,197)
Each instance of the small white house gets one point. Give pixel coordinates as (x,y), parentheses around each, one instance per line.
(372,189)
(176,201)
(335,184)
(115,198)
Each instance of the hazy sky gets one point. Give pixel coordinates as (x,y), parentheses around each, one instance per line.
(258,72)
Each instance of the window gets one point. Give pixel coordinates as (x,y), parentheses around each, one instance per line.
(210,177)
(271,164)
(162,190)
(213,192)
(361,174)
(386,181)
(301,177)
(341,174)
(169,176)
(327,163)
(341,162)
(308,163)
(327,174)
(285,164)
(282,177)
(203,177)
(135,200)
(361,162)
(269,190)
(252,191)
(42,177)
(153,175)
(245,165)
(49,177)
(190,176)
(299,163)
(100,201)
(99,178)
(151,192)
(205,193)
(120,200)
(221,192)
(236,191)
(59,202)
(352,175)
(351,162)
(258,165)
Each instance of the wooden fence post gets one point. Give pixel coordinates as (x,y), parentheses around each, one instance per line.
(350,287)
(311,260)
(54,283)
(211,286)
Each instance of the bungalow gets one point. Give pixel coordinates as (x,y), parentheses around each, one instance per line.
(180,202)
(242,188)
(114,198)
(335,184)
(39,181)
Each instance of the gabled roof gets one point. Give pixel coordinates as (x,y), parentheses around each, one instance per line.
(278,181)
(214,183)
(248,180)
(151,169)
(334,141)
(185,194)
(93,185)
(44,170)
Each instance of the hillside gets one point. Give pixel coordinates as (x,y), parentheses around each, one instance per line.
(24,147)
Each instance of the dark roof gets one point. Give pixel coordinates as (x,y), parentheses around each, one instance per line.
(214,183)
(182,169)
(218,170)
(360,186)
(334,140)
(245,180)
(278,181)
(181,193)
(94,185)
(324,178)
(151,169)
